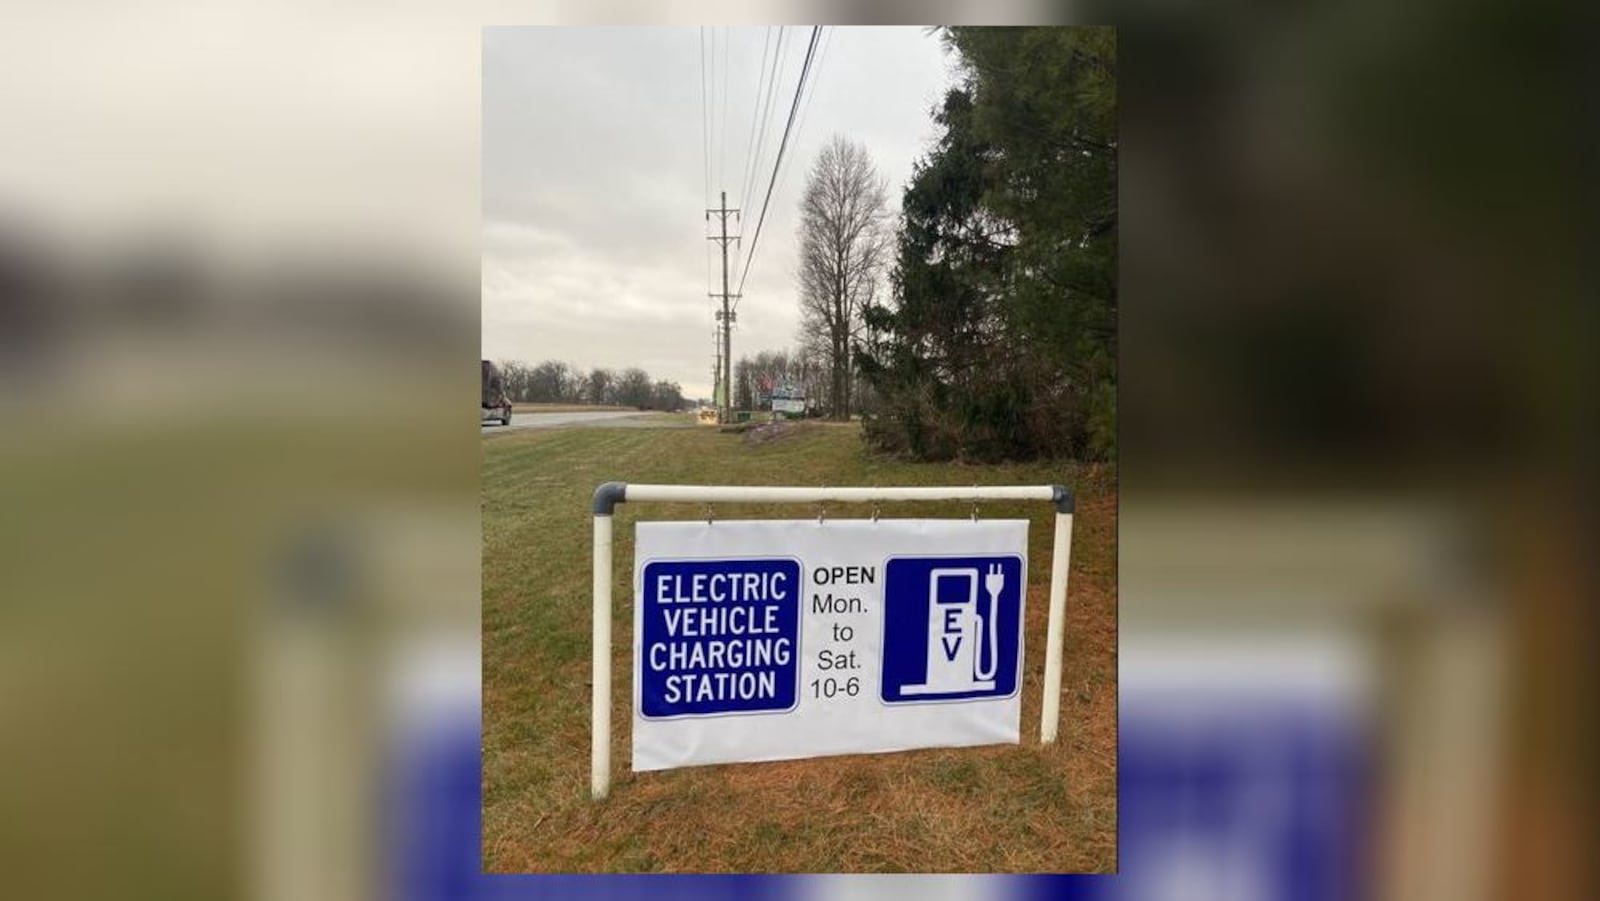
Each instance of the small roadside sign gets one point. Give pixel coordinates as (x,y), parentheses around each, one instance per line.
(789,399)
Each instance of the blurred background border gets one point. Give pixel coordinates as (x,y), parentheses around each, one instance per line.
(238,293)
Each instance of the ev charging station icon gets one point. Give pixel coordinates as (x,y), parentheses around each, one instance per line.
(952,628)
(958,643)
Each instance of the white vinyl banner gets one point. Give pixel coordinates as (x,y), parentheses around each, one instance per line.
(772,640)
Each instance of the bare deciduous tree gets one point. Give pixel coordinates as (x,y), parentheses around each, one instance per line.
(601,386)
(844,243)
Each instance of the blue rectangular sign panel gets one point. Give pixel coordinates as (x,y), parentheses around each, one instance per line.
(952,628)
(719,637)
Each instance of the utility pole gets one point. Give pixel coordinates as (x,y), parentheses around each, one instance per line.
(725,316)
(716,364)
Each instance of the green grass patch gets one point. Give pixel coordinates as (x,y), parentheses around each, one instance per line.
(998,809)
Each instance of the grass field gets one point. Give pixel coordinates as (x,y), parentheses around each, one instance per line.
(996,809)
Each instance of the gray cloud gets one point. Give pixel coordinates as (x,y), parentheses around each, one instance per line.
(594,181)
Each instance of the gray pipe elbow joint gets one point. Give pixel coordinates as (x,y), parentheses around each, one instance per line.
(608,496)
(1066,503)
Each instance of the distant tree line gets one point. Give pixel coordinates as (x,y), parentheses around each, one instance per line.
(998,337)
(776,368)
(553,381)
(808,368)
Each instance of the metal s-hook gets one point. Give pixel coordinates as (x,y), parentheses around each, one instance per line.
(710,514)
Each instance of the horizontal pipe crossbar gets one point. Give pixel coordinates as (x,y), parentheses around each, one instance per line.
(612,493)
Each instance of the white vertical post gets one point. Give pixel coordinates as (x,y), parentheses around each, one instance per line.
(600,697)
(1050,719)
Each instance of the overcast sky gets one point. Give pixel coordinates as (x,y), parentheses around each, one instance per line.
(594,181)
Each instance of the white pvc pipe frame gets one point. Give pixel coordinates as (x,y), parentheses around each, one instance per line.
(607,496)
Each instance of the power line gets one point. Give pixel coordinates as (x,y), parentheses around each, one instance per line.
(805,109)
(811,91)
(756,165)
(705,135)
(705,117)
(755,114)
(780,55)
(722,166)
(713,163)
(805,70)
(705,140)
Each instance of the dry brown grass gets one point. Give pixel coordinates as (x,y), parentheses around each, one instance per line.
(1025,808)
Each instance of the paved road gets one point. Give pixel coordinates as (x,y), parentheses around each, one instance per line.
(584,417)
